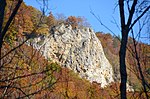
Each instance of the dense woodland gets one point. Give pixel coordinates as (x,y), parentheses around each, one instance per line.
(25,73)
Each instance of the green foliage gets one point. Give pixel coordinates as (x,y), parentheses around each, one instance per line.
(91,92)
(52,67)
(40,42)
(115,42)
(74,75)
(148,71)
(10,36)
(42,29)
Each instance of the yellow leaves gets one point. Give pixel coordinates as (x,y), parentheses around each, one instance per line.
(24,82)
(42,29)
(71,89)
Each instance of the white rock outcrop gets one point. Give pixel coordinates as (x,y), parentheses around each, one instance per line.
(79,50)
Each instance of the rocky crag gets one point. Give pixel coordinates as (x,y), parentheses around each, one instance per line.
(77,49)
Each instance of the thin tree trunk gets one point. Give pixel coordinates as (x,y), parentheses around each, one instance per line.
(2,10)
(122,53)
(123,72)
(140,69)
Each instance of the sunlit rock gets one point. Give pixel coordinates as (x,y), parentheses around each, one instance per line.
(79,50)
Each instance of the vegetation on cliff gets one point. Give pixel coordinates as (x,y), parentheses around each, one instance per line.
(25,73)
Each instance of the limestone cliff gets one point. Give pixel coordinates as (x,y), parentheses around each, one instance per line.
(79,50)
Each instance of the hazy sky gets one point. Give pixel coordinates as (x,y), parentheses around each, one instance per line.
(102,8)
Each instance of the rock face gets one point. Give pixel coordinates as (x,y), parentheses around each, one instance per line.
(79,50)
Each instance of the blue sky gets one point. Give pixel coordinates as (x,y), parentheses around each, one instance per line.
(105,9)
(102,8)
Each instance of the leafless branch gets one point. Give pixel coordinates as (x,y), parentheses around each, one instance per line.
(99,20)
(135,21)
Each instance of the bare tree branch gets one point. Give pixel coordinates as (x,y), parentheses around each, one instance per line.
(104,24)
(131,13)
(9,21)
(122,16)
(135,21)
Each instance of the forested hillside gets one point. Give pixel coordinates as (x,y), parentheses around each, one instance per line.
(26,73)
(111,46)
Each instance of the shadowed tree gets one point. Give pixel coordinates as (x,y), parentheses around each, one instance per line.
(131,11)
(126,27)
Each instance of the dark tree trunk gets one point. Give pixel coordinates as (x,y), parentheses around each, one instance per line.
(2,10)
(123,72)
(122,53)
(3,32)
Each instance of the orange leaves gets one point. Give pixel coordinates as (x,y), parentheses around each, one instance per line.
(77,22)
(51,20)
(74,21)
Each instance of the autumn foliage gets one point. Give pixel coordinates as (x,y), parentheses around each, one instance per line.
(111,48)
(25,73)
(76,22)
